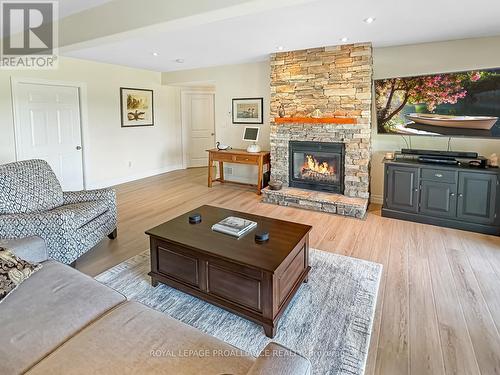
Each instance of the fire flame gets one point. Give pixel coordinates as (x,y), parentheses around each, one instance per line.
(312,164)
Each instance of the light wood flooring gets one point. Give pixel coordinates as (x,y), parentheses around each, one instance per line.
(438,309)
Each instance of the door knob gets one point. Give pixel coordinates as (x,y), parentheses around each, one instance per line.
(212,134)
(460,195)
(78,148)
(452,194)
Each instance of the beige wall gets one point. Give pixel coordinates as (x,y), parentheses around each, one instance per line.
(253,80)
(422,59)
(108,148)
(232,81)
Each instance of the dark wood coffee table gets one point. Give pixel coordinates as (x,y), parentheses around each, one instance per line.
(251,279)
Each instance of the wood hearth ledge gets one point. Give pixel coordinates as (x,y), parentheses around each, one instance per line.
(317,201)
(312,120)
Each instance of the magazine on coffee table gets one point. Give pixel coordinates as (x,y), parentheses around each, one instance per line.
(234,226)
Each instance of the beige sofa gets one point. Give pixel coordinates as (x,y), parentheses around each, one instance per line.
(61,321)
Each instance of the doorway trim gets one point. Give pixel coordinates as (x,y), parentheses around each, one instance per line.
(83,104)
(184,129)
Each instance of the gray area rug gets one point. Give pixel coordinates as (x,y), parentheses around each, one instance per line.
(329,320)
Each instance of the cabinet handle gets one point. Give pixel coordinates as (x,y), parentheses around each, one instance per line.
(460,195)
(452,194)
(438,175)
(415,190)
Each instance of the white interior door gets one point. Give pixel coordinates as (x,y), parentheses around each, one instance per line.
(48,127)
(198,128)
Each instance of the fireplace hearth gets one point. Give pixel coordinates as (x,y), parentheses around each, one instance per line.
(317,166)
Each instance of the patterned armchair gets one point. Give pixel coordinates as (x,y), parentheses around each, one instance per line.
(32,203)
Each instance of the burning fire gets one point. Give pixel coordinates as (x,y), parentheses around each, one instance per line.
(313,165)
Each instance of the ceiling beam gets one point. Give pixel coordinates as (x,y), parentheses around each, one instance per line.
(125,19)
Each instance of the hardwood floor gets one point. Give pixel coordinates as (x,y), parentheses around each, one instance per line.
(438,310)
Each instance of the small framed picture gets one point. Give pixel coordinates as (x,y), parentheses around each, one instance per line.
(248,110)
(136,107)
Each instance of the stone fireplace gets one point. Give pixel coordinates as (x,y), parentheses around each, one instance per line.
(323,161)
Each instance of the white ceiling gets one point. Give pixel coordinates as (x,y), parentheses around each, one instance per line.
(254,36)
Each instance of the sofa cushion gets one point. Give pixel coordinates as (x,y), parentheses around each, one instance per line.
(28,186)
(276,359)
(47,309)
(135,339)
(13,271)
(84,212)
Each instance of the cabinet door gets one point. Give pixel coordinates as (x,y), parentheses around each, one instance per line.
(476,197)
(401,188)
(438,199)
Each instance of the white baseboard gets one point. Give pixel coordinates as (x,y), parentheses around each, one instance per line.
(377,199)
(138,176)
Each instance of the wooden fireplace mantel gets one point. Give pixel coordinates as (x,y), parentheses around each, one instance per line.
(313,120)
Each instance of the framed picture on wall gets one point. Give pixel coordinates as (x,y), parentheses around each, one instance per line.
(248,110)
(136,107)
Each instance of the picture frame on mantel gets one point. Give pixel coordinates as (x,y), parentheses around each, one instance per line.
(136,107)
(248,111)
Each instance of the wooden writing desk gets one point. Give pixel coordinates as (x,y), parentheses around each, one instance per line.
(239,157)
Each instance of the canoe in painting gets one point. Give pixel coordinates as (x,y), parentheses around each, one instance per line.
(467,122)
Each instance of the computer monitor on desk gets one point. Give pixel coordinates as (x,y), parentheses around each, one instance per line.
(251,134)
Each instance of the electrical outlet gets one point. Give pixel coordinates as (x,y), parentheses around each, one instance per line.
(228,170)
(130,164)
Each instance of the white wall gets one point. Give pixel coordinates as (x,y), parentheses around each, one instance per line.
(232,81)
(253,80)
(108,148)
(423,59)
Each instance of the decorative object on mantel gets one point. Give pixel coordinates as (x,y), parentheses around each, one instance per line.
(248,110)
(136,106)
(316,114)
(493,161)
(311,120)
(221,146)
(275,185)
(281,110)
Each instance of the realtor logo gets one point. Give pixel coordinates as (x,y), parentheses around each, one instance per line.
(29,35)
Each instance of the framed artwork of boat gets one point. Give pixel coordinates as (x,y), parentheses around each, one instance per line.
(447,104)
(136,107)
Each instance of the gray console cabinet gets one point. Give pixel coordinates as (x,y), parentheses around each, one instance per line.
(453,196)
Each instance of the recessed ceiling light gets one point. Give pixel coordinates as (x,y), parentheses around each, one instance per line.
(280,48)
(369,20)
(179,61)
(155,54)
(344,39)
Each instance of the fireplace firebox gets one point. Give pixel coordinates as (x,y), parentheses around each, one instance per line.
(317,166)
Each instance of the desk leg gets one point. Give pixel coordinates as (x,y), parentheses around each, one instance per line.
(261,170)
(221,171)
(210,169)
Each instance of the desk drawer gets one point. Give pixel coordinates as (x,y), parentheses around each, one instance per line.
(246,159)
(440,175)
(223,157)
